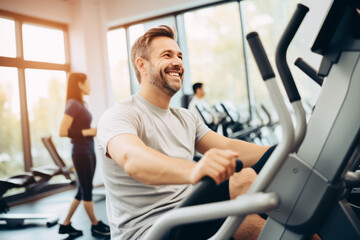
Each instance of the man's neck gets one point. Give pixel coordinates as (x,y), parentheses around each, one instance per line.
(155,96)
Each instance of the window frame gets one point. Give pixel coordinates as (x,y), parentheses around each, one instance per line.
(21,64)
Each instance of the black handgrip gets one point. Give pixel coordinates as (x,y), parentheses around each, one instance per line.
(206,185)
(280,57)
(228,113)
(260,56)
(310,71)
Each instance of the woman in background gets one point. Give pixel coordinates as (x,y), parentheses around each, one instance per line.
(76,125)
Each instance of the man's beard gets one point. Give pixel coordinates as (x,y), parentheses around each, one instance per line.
(158,80)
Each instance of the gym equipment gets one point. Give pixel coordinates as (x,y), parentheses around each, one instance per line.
(304,187)
(64,170)
(256,131)
(28,181)
(16,181)
(34,183)
(311,72)
(209,118)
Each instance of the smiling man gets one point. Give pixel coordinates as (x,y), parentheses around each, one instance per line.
(148,148)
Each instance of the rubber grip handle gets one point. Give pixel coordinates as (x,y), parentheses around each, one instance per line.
(202,187)
(260,56)
(310,71)
(281,64)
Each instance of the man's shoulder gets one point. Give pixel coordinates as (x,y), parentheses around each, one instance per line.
(126,103)
(179,109)
(122,107)
(183,112)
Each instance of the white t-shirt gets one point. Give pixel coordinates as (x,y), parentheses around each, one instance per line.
(132,206)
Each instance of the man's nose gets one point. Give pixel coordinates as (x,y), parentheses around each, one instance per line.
(177,62)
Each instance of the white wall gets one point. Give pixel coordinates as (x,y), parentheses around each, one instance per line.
(125,11)
(88,54)
(52,10)
(88,50)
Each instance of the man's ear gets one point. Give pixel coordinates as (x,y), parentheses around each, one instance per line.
(141,64)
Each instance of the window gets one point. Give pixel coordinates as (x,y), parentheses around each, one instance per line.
(32,90)
(216,55)
(269,19)
(43,44)
(11,156)
(46,90)
(118,61)
(7,40)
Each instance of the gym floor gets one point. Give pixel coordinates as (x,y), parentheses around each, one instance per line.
(58,205)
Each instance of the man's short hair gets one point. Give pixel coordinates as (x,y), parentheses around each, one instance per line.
(141,47)
(196,86)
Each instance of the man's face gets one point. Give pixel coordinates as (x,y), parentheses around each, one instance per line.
(201,92)
(166,70)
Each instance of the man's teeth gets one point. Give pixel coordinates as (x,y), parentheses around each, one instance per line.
(174,74)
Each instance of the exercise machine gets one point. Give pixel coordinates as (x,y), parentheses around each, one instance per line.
(35,182)
(306,183)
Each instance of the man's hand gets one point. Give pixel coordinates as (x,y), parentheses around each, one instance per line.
(216,163)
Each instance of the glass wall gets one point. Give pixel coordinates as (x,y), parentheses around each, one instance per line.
(7,40)
(215,50)
(11,154)
(269,19)
(46,92)
(43,44)
(33,68)
(119,65)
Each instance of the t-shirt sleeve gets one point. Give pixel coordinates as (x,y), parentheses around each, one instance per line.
(71,108)
(119,119)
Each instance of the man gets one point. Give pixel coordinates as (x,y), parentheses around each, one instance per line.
(199,94)
(198,103)
(203,110)
(149,147)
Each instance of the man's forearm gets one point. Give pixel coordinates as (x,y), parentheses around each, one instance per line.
(146,164)
(249,153)
(154,168)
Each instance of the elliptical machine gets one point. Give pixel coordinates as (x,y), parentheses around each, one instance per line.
(305,185)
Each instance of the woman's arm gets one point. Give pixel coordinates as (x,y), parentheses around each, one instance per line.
(89,132)
(66,124)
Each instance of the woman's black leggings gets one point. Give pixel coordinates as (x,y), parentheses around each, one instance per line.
(85,165)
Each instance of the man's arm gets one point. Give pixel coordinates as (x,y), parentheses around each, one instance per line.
(248,153)
(154,168)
